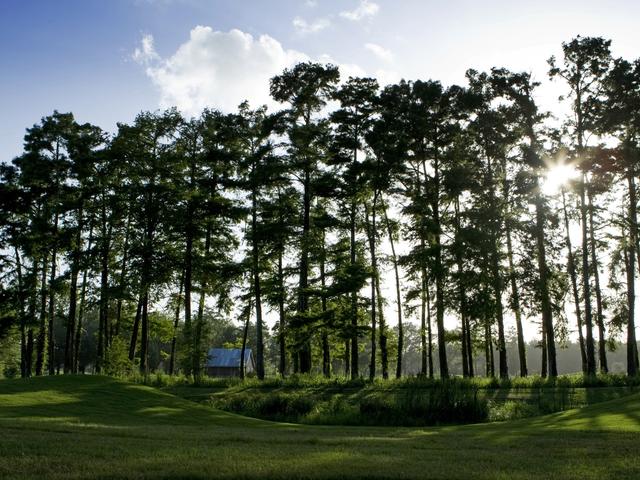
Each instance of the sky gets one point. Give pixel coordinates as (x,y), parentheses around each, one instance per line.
(107,60)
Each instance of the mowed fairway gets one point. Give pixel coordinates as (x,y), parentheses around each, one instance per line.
(98,427)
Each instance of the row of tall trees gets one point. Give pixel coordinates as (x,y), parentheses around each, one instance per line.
(299,215)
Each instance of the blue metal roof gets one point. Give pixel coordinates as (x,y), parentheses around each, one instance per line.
(227,357)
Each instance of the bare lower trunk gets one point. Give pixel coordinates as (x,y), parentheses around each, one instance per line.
(515,306)
(347,358)
(282,320)
(42,331)
(543,271)
(51,357)
(144,337)
(429,333)
(77,334)
(199,325)
(424,298)
(602,343)
(588,318)
(245,333)
(354,297)
(136,329)
(176,320)
(632,346)
(571,267)
(394,260)
(371,231)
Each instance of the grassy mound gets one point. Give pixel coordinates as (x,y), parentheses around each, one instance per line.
(96,427)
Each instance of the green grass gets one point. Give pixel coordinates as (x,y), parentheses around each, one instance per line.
(97,427)
(409,401)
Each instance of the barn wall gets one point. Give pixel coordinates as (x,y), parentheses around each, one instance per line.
(223,371)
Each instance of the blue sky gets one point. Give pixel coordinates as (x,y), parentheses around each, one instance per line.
(106,60)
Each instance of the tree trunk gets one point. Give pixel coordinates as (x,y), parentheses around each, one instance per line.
(372,251)
(545,363)
(602,343)
(188,269)
(245,333)
(429,331)
(515,295)
(591,362)
(394,261)
(632,346)
(496,283)
(354,295)
(382,336)
(282,319)
(488,350)
(42,332)
(571,266)
(256,285)
(189,235)
(469,348)
(73,292)
(347,358)
(176,321)
(461,291)
(424,308)
(303,295)
(515,305)
(77,334)
(136,328)
(103,329)
(51,357)
(29,366)
(144,337)
(197,334)
(326,353)
(440,274)
(123,276)
(547,315)
(21,315)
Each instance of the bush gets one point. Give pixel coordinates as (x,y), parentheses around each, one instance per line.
(511,410)
(117,361)
(11,371)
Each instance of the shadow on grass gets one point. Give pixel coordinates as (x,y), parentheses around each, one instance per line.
(104,400)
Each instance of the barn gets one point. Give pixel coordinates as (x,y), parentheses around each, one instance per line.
(225,362)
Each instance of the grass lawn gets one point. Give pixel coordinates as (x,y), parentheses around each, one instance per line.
(98,427)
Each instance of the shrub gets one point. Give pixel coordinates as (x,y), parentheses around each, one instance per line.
(117,361)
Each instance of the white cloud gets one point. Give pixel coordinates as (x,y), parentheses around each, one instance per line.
(379,51)
(346,69)
(221,69)
(387,77)
(365,9)
(216,69)
(146,53)
(311,3)
(303,27)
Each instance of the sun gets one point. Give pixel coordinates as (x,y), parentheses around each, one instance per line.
(557,176)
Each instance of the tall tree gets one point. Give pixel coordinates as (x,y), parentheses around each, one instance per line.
(306,89)
(585,62)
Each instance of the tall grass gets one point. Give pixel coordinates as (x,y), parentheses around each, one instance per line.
(409,382)
(410,401)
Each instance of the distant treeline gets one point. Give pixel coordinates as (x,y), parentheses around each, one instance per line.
(134,249)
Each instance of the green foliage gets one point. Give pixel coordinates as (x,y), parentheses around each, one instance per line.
(117,361)
(10,355)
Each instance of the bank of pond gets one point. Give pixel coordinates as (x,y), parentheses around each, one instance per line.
(410,401)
